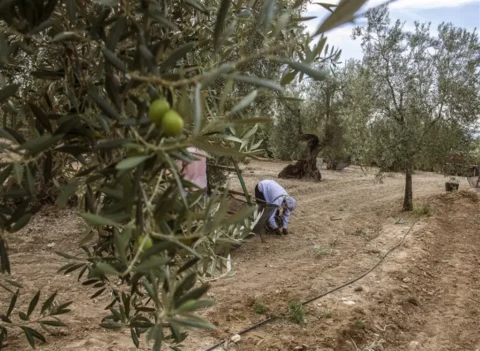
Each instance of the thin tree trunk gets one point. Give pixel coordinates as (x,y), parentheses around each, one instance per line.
(408,199)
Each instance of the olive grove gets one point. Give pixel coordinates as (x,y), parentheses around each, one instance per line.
(78,79)
(411,102)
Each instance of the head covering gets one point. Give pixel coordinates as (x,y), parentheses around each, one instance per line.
(291,203)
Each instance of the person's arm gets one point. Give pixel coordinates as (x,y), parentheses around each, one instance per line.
(278,203)
(286,217)
(271,220)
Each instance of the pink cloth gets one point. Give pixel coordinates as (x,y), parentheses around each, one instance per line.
(195,171)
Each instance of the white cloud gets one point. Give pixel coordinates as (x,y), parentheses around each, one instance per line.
(340,37)
(424,4)
(405,4)
(405,9)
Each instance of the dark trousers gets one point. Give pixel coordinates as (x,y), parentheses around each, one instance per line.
(259,197)
(262,203)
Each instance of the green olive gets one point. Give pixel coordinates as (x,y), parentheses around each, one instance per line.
(157,110)
(172,123)
(148,243)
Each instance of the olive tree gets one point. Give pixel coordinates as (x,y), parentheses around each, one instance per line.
(117,91)
(418,81)
(324,110)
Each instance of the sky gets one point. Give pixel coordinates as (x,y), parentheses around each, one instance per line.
(462,13)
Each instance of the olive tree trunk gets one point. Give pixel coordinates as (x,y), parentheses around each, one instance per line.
(408,198)
(306,166)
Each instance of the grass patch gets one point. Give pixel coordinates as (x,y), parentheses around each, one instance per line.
(322,251)
(260,307)
(296,312)
(422,210)
(358,232)
(359,324)
(328,315)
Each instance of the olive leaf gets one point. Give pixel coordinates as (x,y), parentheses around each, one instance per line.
(197,5)
(309,71)
(176,55)
(220,22)
(97,220)
(8,91)
(131,162)
(266,83)
(113,59)
(245,102)
(344,12)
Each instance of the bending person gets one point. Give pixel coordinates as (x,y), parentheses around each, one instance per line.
(269,192)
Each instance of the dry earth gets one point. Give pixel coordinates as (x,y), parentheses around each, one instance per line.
(425,295)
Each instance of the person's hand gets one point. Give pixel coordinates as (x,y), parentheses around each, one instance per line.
(277,231)
(285,231)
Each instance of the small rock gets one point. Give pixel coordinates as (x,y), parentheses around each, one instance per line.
(413,300)
(413,345)
(51,245)
(236,338)
(407,280)
(349,302)
(358,288)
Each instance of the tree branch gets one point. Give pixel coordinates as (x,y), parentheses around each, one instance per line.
(435,120)
(392,92)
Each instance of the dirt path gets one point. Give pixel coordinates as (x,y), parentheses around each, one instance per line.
(448,278)
(424,296)
(341,228)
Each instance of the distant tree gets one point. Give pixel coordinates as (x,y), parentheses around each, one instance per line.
(323,112)
(418,81)
(356,110)
(287,129)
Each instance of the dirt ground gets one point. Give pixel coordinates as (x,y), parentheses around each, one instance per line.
(425,295)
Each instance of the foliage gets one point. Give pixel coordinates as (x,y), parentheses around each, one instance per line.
(324,111)
(422,210)
(80,76)
(260,308)
(359,324)
(296,312)
(27,321)
(310,112)
(287,130)
(321,251)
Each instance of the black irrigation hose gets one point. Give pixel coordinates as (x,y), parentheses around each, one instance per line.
(254,198)
(256,325)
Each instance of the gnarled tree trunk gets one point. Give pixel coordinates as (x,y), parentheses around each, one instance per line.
(306,166)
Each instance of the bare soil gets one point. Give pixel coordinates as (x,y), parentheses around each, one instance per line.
(425,295)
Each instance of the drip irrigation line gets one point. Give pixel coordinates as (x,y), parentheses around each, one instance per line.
(256,325)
